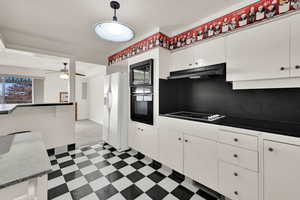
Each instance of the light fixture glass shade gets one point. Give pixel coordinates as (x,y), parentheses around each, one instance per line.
(64,76)
(114,31)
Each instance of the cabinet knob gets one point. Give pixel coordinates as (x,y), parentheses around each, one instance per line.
(196,63)
(236,193)
(190,64)
(235,174)
(186,140)
(271,149)
(236,140)
(179,139)
(235,155)
(297,67)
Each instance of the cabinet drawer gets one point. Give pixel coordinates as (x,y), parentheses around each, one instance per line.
(238,139)
(237,183)
(241,157)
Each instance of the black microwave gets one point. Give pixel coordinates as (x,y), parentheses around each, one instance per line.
(141,74)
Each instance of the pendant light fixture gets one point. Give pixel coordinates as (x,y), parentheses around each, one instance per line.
(114,30)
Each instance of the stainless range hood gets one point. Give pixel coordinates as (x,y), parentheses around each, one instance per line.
(199,72)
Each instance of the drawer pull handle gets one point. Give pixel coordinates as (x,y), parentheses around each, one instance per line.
(236,140)
(236,193)
(235,174)
(271,149)
(235,155)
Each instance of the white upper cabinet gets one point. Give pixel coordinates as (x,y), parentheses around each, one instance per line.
(262,52)
(295,45)
(181,60)
(281,171)
(209,53)
(202,54)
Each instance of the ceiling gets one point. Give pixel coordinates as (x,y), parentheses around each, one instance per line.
(66,26)
(16,58)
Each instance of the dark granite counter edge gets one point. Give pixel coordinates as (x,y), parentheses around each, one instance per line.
(293,132)
(6,111)
(25,179)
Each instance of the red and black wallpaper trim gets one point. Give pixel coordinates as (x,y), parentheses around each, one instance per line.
(253,13)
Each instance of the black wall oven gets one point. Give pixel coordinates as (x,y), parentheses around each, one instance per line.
(141,92)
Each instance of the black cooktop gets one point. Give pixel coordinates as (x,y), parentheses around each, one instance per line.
(196,116)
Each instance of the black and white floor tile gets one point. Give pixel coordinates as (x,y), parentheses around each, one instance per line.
(100,172)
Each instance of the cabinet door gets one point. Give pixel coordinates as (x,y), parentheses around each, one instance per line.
(262,52)
(148,141)
(295,45)
(201,160)
(209,53)
(132,135)
(281,171)
(181,60)
(171,149)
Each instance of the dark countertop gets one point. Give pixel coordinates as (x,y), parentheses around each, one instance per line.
(26,158)
(8,108)
(281,128)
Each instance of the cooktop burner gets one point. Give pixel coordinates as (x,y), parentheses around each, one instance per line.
(196,116)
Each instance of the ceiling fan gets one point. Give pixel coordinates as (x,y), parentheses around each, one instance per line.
(64,73)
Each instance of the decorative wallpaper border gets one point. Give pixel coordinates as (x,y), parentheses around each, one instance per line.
(251,14)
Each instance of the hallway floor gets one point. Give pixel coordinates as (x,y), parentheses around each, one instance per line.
(87,132)
(99,172)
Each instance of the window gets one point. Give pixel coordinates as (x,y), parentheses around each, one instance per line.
(14,90)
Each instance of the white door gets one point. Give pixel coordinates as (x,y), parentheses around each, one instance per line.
(171,148)
(281,171)
(295,45)
(114,137)
(201,160)
(209,53)
(181,60)
(106,110)
(262,52)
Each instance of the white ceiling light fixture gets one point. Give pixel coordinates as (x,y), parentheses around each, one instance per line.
(114,30)
(64,76)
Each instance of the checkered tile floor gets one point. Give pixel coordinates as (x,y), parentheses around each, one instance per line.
(100,172)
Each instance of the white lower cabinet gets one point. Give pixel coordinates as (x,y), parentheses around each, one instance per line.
(201,160)
(148,140)
(239,156)
(281,172)
(143,138)
(238,183)
(171,149)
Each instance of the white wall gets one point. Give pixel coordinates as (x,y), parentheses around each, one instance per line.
(95,97)
(53,86)
(82,104)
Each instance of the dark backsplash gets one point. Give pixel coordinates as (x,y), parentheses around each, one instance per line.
(215,95)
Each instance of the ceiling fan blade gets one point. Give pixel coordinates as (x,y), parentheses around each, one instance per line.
(78,74)
(52,72)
